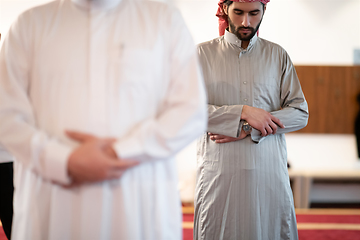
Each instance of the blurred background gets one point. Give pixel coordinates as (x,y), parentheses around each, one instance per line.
(323,41)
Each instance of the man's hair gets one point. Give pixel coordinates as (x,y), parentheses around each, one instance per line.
(229,2)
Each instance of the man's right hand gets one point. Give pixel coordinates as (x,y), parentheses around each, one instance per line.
(261,120)
(95,160)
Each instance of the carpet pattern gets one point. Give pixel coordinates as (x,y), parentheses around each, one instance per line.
(2,234)
(313,224)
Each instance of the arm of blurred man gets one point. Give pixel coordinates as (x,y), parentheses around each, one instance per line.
(182,116)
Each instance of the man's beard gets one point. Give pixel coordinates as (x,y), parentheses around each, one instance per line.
(235,30)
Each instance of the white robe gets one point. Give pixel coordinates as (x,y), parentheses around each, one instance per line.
(5,157)
(127,70)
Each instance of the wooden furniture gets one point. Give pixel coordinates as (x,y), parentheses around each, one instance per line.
(331,93)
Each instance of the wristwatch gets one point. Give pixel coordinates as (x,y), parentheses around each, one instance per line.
(246,127)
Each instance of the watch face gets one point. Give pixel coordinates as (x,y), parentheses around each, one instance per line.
(246,127)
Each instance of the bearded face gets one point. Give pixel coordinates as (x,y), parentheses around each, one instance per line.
(244,18)
(243,33)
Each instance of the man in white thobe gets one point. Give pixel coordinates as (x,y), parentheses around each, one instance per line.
(96,97)
(6,189)
(254,97)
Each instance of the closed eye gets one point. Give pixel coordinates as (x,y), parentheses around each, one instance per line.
(238,12)
(252,13)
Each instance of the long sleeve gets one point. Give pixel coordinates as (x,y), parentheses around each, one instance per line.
(5,156)
(224,120)
(182,117)
(34,148)
(294,112)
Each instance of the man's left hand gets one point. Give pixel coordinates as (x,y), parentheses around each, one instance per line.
(95,160)
(218,138)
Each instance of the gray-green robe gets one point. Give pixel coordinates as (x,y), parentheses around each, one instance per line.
(243,190)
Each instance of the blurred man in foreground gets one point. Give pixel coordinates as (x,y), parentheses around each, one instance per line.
(96,97)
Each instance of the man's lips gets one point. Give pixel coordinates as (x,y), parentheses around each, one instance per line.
(245,30)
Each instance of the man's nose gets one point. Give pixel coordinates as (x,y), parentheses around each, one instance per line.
(246,22)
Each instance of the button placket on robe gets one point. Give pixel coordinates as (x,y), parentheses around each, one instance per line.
(244,85)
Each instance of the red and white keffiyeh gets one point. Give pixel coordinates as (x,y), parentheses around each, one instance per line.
(223,21)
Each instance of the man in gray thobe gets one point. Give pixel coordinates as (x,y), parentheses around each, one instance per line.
(254,97)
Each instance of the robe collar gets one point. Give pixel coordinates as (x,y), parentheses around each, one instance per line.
(233,39)
(96,5)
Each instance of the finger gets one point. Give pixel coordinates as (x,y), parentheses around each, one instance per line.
(110,152)
(223,140)
(274,127)
(226,140)
(123,164)
(268,130)
(214,137)
(277,121)
(263,132)
(107,142)
(219,137)
(115,174)
(79,136)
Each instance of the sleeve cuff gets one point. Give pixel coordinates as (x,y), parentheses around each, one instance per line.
(240,128)
(5,156)
(229,123)
(57,156)
(256,136)
(127,150)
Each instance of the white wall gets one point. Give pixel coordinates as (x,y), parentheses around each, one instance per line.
(315,32)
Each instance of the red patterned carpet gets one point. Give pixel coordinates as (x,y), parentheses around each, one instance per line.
(313,224)
(2,234)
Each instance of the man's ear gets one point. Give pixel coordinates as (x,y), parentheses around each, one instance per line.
(225,9)
(265,7)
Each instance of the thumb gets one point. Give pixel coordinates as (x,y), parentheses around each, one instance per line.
(124,164)
(277,121)
(105,142)
(79,136)
(109,140)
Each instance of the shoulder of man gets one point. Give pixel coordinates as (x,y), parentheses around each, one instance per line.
(158,6)
(45,8)
(37,14)
(272,45)
(211,43)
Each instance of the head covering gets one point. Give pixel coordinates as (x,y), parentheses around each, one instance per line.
(223,21)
